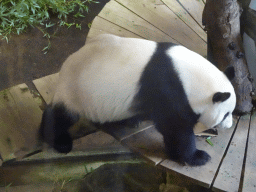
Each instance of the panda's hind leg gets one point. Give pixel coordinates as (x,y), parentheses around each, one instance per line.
(56,121)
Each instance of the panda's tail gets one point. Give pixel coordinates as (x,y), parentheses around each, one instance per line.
(56,121)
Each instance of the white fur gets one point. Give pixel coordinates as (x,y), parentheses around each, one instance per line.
(201,80)
(104,77)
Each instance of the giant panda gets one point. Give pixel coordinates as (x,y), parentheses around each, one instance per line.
(113,78)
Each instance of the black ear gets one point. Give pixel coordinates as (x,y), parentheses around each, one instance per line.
(220,97)
(230,73)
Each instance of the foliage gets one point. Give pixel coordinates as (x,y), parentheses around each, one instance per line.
(17,15)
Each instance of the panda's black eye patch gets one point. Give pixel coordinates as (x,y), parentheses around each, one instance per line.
(225,116)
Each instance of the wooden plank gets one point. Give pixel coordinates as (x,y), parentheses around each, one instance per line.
(20,117)
(176,7)
(121,132)
(228,178)
(203,175)
(159,15)
(148,143)
(249,184)
(46,86)
(121,16)
(194,8)
(102,26)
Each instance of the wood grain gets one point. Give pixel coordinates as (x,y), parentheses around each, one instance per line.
(159,15)
(194,8)
(121,132)
(123,17)
(46,86)
(249,184)
(20,117)
(176,7)
(102,26)
(148,143)
(228,178)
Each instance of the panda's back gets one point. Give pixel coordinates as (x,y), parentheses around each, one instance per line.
(101,79)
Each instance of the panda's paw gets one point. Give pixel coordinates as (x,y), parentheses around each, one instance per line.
(63,143)
(198,158)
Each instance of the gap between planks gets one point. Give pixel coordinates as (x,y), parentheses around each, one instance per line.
(194,8)
(132,22)
(102,26)
(161,17)
(248,181)
(216,174)
(203,175)
(229,174)
(178,9)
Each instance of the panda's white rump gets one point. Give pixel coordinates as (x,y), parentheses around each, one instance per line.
(101,79)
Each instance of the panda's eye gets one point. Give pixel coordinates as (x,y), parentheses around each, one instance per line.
(225,116)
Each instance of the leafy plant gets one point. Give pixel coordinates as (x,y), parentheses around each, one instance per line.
(17,15)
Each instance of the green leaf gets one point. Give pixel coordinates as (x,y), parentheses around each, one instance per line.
(47,25)
(33,10)
(209,141)
(46,14)
(45,48)
(69,24)
(86,9)
(78,26)
(78,15)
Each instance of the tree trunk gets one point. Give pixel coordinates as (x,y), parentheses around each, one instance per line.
(221,19)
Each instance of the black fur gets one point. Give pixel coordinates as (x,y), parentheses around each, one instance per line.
(162,96)
(220,97)
(54,127)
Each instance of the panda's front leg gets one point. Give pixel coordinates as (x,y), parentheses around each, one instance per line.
(180,145)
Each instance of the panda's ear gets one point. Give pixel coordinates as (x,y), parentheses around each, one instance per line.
(220,97)
(230,73)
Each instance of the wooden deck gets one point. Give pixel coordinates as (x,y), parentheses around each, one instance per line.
(159,20)
(233,163)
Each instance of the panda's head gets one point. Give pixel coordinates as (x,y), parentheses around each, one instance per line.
(222,104)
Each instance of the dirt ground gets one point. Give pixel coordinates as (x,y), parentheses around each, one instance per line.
(22,59)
